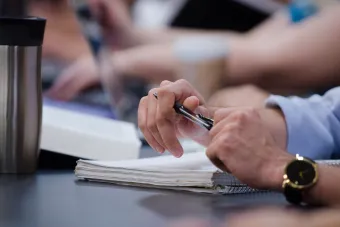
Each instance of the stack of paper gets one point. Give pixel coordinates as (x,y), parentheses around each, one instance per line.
(193,172)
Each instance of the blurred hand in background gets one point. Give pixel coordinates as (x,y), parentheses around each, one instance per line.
(78,77)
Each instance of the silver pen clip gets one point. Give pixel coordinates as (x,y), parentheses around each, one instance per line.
(198,119)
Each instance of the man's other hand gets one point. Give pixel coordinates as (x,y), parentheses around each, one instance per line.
(242,144)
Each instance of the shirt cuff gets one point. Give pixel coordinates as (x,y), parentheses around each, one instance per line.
(304,134)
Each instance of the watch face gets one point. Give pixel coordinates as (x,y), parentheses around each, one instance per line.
(301,173)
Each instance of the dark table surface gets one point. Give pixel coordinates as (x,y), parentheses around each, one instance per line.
(55,198)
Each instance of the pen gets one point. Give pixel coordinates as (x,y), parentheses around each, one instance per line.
(198,119)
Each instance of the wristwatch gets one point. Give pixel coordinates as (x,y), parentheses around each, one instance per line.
(301,174)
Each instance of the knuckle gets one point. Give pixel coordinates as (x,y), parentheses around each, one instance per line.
(164,83)
(183,82)
(246,115)
(248,87)
(143,100)
(228,142)
(212,133)
(220,154)
(210,152)
(152,126)
(219,115)
(152,92)
(252,111)
(165,113)
(241,116)
(160,120)
(233,127)
(162,92)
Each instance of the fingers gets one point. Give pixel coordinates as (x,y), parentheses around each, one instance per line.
(217,162)
(157,117)
(229,122)
(166,119)
(226,120)
(223,130)
(166,116)
(158,128)
(224,127)
(142,123)
(151,120)
(165,83)
(191,103)
(223,113)
(168,133)
(181,89)
(213,155)
(222,144)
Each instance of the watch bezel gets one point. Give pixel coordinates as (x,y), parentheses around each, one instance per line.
(286,180)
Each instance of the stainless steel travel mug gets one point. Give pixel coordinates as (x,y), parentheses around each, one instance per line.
(20,93)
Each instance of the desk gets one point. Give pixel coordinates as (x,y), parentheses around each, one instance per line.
(55,198)
(58,199)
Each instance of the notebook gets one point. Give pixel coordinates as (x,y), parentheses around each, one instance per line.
(88,136)
(193,172)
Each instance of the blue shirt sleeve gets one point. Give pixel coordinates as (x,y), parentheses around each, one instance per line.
(313,124)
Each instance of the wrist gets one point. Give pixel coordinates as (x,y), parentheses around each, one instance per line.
(313,195)
(274,121)
(274,171)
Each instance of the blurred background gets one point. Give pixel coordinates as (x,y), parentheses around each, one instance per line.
(102,56)
(65,43)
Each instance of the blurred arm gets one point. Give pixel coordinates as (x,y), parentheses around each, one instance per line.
(167,35)
(276,55)
(301,57)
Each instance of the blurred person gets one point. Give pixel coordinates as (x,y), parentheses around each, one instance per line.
(120,29)
(256,145)
(63,40)
(265,56)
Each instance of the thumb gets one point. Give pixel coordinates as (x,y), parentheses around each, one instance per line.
(191,103)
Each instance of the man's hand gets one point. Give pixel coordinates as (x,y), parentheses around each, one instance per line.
(242,144)
(162,126)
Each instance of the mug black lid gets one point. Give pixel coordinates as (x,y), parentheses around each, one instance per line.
(25,31)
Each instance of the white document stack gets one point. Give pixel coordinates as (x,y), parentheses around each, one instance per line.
(193,172)
(88,137)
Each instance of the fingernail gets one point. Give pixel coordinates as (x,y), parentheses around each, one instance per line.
(178,153)
(160,149)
